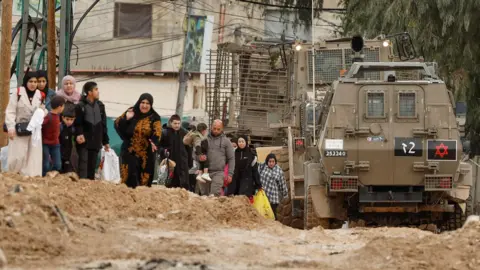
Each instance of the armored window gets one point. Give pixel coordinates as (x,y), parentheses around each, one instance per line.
(132,20)
(376,104)
(406,104)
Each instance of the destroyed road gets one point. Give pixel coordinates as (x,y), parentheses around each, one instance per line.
(61,222)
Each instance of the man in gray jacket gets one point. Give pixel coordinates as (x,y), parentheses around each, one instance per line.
(220,153)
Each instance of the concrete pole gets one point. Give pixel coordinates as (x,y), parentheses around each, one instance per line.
(6,62)
(51,50)
(232,121)
(64,19)
(183,78)
(23,42)
(313,81)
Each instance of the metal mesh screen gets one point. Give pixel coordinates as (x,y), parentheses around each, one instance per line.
(329,62)
(406,104)
(248,96)
(371,55)
(375,104)
(438,182)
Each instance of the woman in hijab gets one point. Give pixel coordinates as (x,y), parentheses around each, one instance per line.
(23,157)
(68,90)
(244,181)
(273,181)
(42,85)
(140,128)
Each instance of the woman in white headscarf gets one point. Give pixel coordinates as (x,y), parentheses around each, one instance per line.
(68,90)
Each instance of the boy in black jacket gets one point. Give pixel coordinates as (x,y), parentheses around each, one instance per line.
(66,139)
(91,130)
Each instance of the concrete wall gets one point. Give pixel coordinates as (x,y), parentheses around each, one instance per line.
(120,92)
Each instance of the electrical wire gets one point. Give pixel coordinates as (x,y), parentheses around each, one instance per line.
(131,67)
(293,7)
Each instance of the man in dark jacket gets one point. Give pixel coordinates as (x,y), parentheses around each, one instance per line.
(90,130)
(172,141)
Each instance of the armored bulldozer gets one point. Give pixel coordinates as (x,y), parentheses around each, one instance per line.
(388,152)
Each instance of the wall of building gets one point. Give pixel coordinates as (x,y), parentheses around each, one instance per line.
(120,92)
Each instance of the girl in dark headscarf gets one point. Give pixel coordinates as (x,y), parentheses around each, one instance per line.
(244,182)
(42,85)
(140,128)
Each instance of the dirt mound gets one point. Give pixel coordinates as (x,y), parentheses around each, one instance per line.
(47,216)
(451,250)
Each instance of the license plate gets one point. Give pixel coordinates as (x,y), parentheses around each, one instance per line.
(335,153)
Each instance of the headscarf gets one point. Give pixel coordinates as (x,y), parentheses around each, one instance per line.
(43,74)
(136,107)
(75,96)
(27,77)
(243,157)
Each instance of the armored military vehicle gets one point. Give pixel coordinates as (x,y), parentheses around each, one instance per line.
(388,152)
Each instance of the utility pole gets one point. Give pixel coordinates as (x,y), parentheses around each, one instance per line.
(222,22)
(6,60)
(183,78)
(64,38)
(51,50)
(313,79)
(23,42)
(232,121)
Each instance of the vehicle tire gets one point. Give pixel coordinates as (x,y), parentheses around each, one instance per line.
(458,218)
(311,219)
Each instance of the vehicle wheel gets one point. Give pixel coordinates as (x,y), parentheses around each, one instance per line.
(458,218)
(311,218)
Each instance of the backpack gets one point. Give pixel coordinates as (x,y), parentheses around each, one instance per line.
(42,100)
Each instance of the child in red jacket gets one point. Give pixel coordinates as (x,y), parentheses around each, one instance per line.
(50,136)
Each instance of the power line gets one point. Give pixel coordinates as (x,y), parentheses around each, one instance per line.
(293,7)
(131,67)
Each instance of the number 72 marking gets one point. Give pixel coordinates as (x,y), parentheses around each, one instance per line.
(410,151)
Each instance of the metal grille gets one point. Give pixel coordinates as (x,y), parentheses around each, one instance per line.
(328,64)
(371,55)
(344,183)
(375,103)
(406,104)
(248,96)
(438,182)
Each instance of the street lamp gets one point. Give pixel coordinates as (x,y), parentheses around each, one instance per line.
(298,47)
(386,43)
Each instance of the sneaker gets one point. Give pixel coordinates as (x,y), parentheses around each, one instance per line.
(200,179)
(206,176)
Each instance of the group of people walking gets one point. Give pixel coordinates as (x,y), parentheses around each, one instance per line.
(73,130)
(55,130)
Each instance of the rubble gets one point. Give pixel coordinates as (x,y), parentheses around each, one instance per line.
(82,224)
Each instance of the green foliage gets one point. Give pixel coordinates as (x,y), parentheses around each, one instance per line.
(444,31)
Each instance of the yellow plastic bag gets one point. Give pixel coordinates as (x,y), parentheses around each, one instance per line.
(261,203)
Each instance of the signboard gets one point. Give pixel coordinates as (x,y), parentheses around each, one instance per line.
(333,144)
(442,150)
(335,153)
(408,147)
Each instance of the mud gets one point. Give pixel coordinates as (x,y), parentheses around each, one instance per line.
(61,222)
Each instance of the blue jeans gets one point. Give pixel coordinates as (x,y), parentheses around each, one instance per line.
(53,152)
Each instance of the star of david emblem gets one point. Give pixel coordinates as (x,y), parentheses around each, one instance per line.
(442,150)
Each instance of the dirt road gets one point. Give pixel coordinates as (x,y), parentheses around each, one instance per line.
(61,222)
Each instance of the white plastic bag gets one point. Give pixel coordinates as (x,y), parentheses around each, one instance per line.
(110,171)
(4,158)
